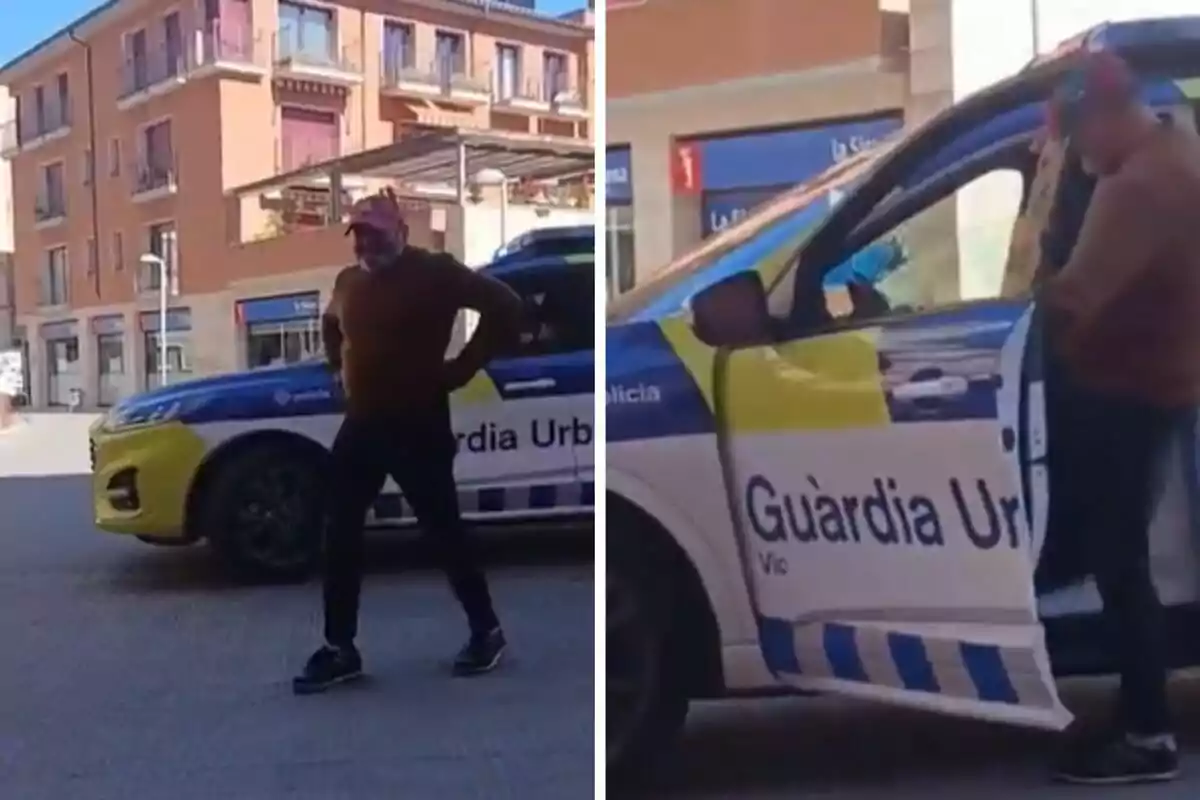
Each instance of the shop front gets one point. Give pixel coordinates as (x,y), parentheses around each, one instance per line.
(735,174)
(109,332)
(172,347)
(618,225)
(280,330)
(64,377)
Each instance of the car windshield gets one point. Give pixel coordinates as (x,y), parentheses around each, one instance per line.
(778,227)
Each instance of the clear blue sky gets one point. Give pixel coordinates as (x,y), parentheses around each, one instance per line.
(40,18)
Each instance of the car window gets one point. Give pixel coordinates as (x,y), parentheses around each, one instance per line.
(953,249)
(560,310)
(778,227)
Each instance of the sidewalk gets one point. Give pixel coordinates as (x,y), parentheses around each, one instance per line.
(46,444)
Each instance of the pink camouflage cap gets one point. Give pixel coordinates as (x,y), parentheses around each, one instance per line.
(378,211)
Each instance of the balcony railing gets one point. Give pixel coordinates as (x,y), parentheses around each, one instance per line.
(288,52)
(225,46)
(30,127)
(155,175)
(564,100)
(221,42)
(520,93)
(157,65)
(48,208)
(437,77)
(51,292)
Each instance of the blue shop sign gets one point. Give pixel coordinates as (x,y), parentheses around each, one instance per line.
(618,176)
(178,319)
(772,158)
(280,309)
(53,331)
(722,209)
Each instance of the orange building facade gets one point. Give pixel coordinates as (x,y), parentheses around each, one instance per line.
(137,125)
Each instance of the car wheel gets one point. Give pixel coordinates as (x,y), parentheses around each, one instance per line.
(263,513)
(644,707)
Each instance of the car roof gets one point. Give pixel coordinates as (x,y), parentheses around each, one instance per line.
(506,268)
(540,235)
(1139,34)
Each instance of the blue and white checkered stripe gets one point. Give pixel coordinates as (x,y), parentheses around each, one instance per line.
(501,499)
(938,666)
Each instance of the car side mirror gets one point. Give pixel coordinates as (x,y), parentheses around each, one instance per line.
(732,312)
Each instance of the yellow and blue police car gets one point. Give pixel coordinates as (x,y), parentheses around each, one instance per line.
(826,436)
(238,460)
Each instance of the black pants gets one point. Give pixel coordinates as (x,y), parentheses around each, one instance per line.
(420,458)
(1107,462)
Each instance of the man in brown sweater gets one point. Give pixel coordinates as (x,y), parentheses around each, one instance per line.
(1124,322)
(387,330)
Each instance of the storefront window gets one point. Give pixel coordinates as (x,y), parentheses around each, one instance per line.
(619,266)
(62,361)
(280,330)
(619,254)
(110,351)
(270,344)
(739,173)
(178,346)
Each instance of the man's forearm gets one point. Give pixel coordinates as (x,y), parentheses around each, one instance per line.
(485,343)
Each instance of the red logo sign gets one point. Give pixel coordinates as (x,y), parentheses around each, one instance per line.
(685,169)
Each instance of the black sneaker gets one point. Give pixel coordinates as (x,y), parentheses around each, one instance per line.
(1117,760)
(328,667)
(481,653)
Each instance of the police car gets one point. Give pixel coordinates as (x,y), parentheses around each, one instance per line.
(238,460)
(857,506)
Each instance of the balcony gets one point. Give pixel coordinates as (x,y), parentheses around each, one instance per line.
(48,211)
(160,70)
(154,178)
(524,97)
(227,50)
(433,82)
(566,103)
(22,135)
(325,65)
(230,50)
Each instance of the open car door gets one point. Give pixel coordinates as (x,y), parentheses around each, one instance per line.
(884,451)
(872,441)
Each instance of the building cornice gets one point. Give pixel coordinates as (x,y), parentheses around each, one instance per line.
(713,91)
(60,43)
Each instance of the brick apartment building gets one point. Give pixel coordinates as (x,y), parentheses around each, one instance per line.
(137,124)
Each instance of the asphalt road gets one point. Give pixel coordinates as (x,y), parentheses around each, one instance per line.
(821,748)
(138,673)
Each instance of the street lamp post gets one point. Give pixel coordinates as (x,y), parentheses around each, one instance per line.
(1035,21)
(159,263)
